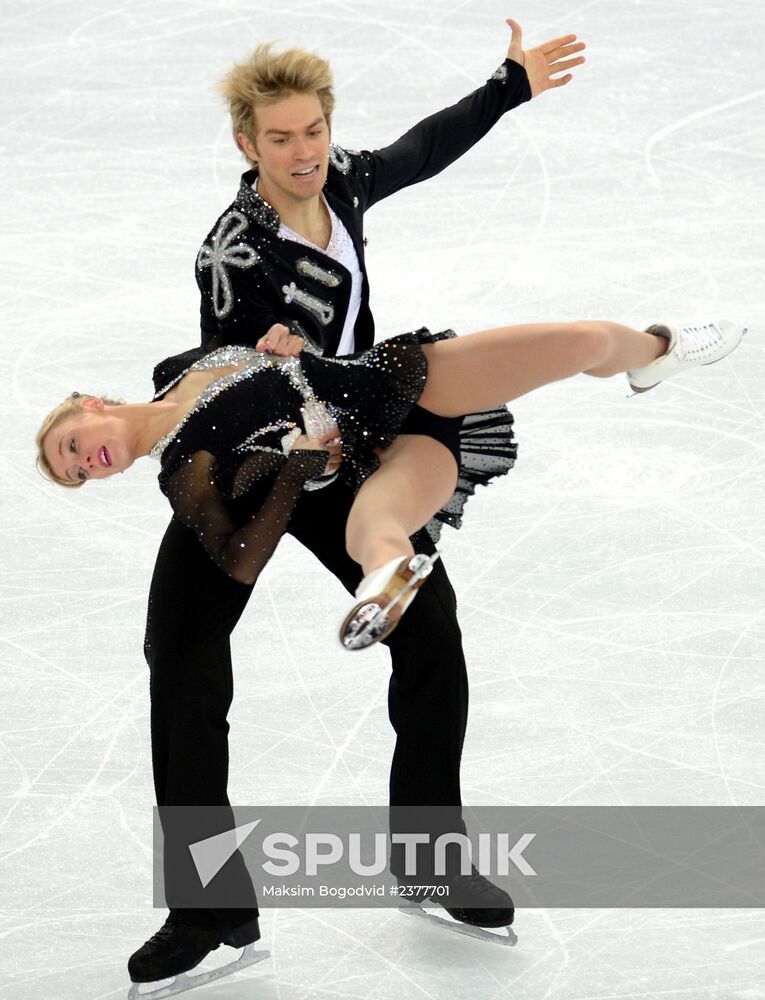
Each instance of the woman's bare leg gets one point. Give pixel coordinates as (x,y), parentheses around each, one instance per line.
(481,370)
(417,475)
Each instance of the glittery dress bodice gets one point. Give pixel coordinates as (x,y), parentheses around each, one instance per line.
(250,410)
(223,467)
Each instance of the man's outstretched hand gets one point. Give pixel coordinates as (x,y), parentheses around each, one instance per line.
(544,60)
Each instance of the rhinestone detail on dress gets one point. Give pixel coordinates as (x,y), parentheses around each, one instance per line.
(248,445)
(223,357)
(289,367)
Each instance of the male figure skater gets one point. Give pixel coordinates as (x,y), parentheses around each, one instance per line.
(283,269)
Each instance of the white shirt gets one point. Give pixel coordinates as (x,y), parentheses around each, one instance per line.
(341,249)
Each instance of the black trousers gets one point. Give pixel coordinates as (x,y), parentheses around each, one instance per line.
(194,607)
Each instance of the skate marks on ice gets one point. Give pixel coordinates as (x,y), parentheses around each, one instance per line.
(668,130)
(191,981)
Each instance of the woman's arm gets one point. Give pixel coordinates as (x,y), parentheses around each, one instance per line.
(240,552)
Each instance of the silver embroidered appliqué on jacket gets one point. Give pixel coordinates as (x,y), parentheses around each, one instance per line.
(322,274)
(258,208)
(225,252)
(323,311)
(339,158)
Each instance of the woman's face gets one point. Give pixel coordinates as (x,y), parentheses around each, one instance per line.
(92,444)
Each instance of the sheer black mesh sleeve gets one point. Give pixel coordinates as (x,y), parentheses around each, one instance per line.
(241,551)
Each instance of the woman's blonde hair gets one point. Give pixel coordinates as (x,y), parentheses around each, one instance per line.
(266,77)
(71,406)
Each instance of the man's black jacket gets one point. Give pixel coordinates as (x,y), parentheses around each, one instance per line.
(250,279)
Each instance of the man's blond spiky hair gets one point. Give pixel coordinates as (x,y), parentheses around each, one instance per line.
(266,77)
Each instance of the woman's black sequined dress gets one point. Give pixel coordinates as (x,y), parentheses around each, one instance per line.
(223,468)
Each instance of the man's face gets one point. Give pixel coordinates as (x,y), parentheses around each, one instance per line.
(291,147)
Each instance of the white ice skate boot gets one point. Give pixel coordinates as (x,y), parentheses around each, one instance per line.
(688,347)
(383,596)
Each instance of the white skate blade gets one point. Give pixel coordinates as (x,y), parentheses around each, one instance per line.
(357,638)
(503,936)
(186,981)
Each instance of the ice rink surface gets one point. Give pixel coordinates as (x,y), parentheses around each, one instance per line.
(611,587)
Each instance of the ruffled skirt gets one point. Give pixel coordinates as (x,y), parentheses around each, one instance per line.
(393,374)
(487,450)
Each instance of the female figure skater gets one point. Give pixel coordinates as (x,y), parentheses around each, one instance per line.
(235,454)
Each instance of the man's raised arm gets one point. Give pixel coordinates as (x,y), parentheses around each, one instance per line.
(434,143)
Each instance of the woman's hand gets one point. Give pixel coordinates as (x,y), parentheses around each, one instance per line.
(281,342)
(329,442)
(543,61)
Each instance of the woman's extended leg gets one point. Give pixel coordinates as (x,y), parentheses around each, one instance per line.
(478,372)
(482,370)
(417,475)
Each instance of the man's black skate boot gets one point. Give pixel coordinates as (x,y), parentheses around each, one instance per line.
(178,947)
(477,901)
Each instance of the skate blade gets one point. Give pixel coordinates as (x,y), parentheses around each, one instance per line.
(645,388)
(184,981)
(505,937)
(355,640)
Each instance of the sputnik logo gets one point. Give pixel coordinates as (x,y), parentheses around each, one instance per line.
(211,854)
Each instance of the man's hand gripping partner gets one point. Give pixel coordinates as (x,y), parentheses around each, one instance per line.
(280,342)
